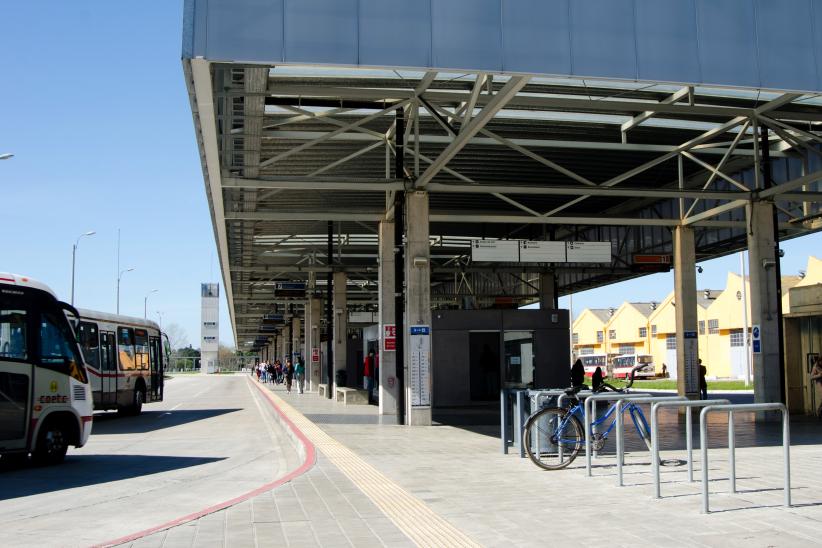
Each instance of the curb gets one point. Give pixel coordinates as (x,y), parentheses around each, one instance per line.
(304,448)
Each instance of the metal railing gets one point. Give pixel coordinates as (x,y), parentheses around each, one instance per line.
(689,443)
(620,423)
(731,409)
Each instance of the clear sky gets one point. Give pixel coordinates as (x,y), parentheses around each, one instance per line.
(94,107)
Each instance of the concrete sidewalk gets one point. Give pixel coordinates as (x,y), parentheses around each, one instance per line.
(385,485)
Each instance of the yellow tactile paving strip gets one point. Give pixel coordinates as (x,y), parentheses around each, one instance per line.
(421,524)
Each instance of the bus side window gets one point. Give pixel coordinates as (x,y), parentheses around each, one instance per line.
(90,343)
(125,346)
(141,349)
(13,334)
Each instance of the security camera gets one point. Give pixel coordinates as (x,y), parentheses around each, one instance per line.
(781,253)
(699,269)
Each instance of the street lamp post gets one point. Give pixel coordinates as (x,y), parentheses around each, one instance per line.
(119,277)
(74,256)
(160,315)
(145,303)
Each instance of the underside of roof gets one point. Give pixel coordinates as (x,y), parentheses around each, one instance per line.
(293,154)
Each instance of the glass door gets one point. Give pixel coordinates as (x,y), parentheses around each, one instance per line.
(518,371)
(108,368)
(16,372)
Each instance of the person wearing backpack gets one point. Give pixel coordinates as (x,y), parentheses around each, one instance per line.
(299,374)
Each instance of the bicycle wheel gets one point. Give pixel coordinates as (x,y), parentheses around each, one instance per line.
(641,425)
(553,438)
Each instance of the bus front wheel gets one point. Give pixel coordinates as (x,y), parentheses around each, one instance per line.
(52,444)
(138,397)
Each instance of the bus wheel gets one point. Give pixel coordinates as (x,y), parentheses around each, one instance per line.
(139,398)
(52,444)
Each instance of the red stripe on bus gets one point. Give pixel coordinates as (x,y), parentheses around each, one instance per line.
(308,463)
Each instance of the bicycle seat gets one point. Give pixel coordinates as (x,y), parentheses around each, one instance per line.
(574,390)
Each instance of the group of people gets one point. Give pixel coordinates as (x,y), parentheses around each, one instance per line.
(278,372)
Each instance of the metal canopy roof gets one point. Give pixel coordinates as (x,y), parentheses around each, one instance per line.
(286,148)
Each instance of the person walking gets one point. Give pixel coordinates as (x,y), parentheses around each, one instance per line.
(288,372)
(703,384)
(299,374)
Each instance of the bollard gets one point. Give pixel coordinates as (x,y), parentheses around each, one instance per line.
(518,422)
(703,439)
(689,441)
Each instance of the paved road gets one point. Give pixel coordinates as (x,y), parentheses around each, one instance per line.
(213,439)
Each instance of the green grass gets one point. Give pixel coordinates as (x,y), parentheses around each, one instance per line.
(670,384)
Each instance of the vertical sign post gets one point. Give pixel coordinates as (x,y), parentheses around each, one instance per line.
(691,363)
(420,353)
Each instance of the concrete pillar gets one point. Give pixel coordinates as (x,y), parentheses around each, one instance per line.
(312,340)
(340,330)
(286,351)
(548,291)
(278,354)
(296,340)
(687,352)
(417,308)
(389,392)
(764,299)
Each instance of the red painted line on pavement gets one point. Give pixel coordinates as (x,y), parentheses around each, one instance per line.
(310,458)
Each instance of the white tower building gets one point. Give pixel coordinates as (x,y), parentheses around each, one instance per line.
(210,328)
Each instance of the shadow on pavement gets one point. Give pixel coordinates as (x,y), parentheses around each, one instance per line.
(109,422)
(21,479)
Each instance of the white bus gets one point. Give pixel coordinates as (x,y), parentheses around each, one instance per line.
(45,397)
(625,362)
(591,361)
(126,360)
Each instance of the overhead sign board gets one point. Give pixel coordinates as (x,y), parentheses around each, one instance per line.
(501,251)
(588,252)
(523,251)
(542,252)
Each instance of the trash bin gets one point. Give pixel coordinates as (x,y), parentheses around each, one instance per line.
(341,377)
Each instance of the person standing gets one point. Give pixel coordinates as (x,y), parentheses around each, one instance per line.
(288,372)
(299,374)
(703,383)
(368,372)
(816,378)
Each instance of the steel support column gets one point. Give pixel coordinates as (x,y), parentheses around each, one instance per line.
(340,330)
(388,389)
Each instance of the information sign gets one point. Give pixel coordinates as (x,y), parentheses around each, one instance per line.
(495,250)
(420,352)
(588,252)
(542,252)
(691,362)
(389,337)
(756,339)
(315,355)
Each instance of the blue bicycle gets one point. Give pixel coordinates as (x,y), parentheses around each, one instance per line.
(555,435)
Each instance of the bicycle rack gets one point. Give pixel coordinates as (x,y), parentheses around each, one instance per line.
(688,435)
(703,441)
(590,429)
(620,423)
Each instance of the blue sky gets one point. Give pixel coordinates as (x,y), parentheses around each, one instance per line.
(94,107)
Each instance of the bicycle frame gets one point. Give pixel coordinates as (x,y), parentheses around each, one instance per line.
(632,408)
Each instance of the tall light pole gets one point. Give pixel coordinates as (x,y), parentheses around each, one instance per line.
(74,256)
(145,303)
(6,156)
(119,277)
(160,315)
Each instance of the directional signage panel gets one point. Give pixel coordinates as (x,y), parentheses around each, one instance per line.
(505,251)
(589,252)
(420,351)
(542,252)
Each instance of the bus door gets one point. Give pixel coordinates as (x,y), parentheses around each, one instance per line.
(16,371)
(156,389)
(108,368)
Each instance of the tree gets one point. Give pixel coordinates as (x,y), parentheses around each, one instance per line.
(177,336)
(225,352)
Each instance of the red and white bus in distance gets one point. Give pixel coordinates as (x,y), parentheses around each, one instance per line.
(126,358)
(45,397)
(625,362)
(591,361)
